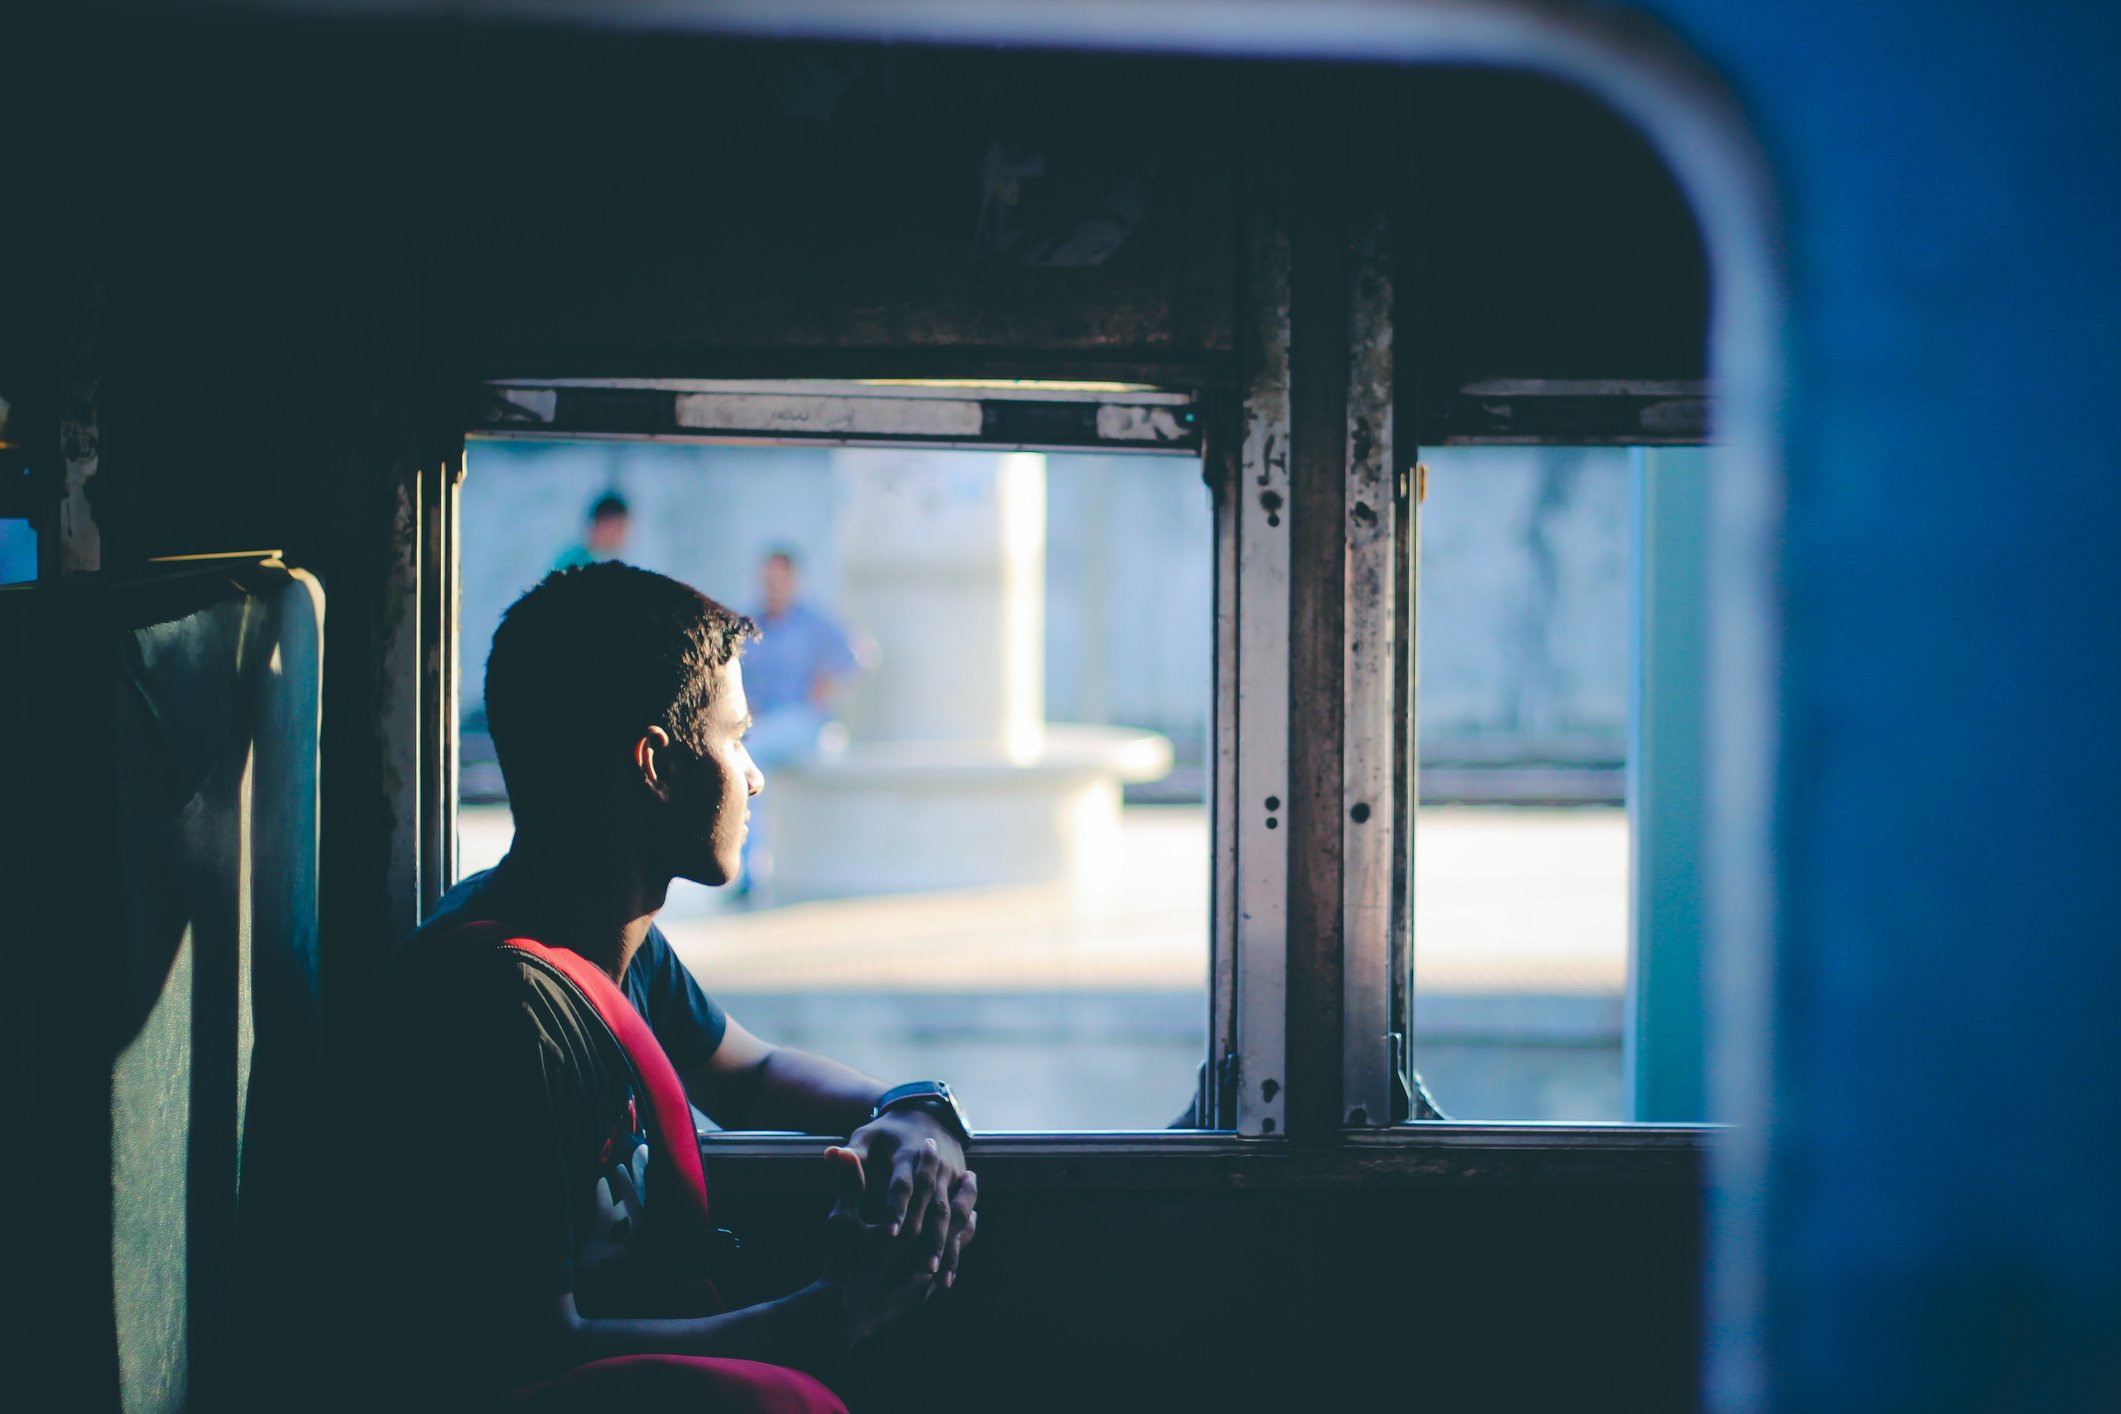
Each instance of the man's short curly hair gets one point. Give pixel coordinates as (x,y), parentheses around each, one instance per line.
(586,661)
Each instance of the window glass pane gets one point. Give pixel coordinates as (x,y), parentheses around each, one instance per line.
(1522,835)
(982,850)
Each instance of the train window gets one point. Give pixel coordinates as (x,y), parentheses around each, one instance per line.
(982,706)
(1554,967)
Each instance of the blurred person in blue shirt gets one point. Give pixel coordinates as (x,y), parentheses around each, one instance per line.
(790,677)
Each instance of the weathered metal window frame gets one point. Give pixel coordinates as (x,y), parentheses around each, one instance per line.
(441,552)
(417,716)
(993,414)
(1250,1074)
(1245,445)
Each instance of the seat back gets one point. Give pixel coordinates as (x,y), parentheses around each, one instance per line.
(158,917)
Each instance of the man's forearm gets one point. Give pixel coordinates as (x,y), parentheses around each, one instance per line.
(801,1329)
(797,1089)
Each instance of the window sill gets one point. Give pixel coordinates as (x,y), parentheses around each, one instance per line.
(1429,1154)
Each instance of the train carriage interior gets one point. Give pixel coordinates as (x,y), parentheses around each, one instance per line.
(1451,730)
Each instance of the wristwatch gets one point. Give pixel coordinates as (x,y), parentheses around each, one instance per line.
(933,1096)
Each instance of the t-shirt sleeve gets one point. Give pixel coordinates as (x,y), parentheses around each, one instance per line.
(687,1022)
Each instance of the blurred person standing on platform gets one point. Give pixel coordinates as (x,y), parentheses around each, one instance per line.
(610,522)
(792,673)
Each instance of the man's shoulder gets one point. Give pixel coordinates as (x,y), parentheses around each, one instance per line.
(652,973)
(482,995)
(426,962)
(655,945)
(464,903)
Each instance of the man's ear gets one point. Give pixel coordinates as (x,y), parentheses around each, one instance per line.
(649,759)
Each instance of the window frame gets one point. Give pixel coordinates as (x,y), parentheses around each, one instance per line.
(1241,444)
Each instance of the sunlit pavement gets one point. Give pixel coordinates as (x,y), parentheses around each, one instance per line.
(1506,901)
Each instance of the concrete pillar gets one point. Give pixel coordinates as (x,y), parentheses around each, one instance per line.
(943,561)
(950,777)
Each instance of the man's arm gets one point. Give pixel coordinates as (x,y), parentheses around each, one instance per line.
(917,1166)
(748,1083)
(872,1277)
(799,1330)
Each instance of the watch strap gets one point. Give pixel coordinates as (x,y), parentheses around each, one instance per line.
(935,1094)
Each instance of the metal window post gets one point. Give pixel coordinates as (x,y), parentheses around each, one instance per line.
(418,712)
(399,704)
(1222,468)
(438,673)
(1370,1057)
(1262,503)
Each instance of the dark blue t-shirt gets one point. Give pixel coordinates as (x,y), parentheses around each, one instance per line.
(504,1158)
(686,1021)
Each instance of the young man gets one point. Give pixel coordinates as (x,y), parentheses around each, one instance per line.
(603,538)
(547,1257)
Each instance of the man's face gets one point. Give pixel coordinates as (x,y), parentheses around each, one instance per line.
(712,790)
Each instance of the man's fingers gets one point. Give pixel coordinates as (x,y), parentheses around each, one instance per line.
(846,1165)
(933,1194)
(898,1199)
(917,1169)
(960,1239)
(920,1201)
(936,1237)
(964,1224)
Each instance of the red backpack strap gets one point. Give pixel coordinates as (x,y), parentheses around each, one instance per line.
(671,1134)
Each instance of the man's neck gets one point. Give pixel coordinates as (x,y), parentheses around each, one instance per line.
(578,893)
